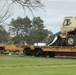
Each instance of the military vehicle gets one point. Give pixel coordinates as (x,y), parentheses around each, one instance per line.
(67,35)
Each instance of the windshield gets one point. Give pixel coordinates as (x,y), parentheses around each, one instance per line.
(66,22)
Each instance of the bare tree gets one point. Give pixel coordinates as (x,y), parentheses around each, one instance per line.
(5,10)
(29,3)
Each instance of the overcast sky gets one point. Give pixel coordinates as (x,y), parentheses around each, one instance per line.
(56,10)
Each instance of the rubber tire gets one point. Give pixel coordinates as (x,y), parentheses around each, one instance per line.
(70,36)
(26,51)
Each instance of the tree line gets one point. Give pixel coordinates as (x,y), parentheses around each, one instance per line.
(25,29)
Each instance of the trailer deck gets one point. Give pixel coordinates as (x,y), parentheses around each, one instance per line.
(40,50)
(53,48)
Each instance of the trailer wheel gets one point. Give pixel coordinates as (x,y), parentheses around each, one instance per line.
(71,40)
(38,52)
(26,51)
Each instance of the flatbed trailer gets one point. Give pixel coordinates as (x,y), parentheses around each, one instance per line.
(50,51)
(44,51)
(10,48)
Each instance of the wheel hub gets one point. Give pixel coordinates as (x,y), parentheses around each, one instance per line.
(70,41)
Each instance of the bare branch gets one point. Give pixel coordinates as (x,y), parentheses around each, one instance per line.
(5,13)
(30,4)
(34,4)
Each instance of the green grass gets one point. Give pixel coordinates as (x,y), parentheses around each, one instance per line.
(16,65)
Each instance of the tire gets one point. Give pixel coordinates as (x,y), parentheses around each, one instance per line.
(38,52)
(70,40)
(26,51)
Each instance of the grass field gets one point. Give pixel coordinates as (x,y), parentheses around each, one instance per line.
(16,65)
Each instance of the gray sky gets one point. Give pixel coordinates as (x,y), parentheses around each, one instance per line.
(56,10)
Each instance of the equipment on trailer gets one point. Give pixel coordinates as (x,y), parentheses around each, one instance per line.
(67,35)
